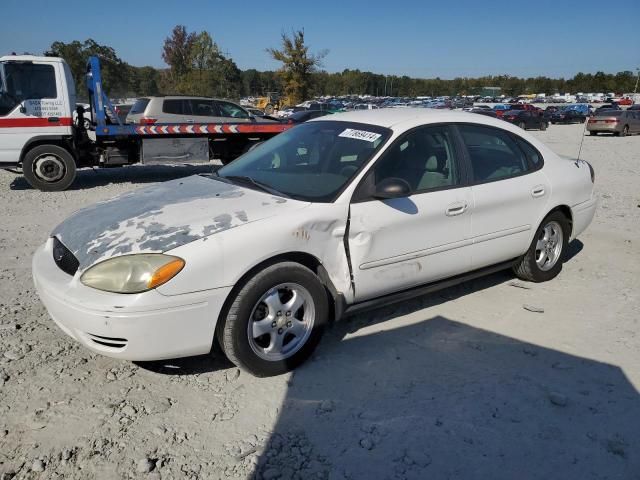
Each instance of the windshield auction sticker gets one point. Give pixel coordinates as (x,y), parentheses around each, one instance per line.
(360,135)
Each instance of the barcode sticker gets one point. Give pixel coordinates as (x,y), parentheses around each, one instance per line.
(360,135)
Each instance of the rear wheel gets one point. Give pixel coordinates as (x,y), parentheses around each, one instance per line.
(543,126)
(543,260)
(275,321)
(268,109)
(625,131)
(522,125)
(49,168)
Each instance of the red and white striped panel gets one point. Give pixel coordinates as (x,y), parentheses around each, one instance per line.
(207,128)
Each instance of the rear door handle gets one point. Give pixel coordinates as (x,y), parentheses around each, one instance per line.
(538,191)
(457,208)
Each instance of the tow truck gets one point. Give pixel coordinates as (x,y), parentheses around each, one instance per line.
(47,138)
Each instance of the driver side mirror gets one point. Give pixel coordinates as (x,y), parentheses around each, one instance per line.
(392,188)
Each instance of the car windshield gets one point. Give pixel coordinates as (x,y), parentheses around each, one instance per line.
(310,162)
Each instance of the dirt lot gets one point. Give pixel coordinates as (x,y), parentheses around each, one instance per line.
(462,384)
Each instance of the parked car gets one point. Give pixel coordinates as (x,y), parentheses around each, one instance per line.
(183,109)
(500,109)
(624,101)
(303,116)
(607,106)
(526,119)
(619,122)
(484,111)
(567,115)
(634,107)
(336,215)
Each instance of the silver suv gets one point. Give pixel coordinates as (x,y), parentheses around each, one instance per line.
(182,109)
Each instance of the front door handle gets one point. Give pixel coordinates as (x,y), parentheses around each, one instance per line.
(538,191)
(457,208)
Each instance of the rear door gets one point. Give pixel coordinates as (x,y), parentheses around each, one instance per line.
(175,110)
(403,242)
(33,102)
(510,193)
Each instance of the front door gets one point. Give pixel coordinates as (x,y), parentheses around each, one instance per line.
(404,242)
(32,103)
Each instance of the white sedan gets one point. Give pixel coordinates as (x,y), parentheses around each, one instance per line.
(332,216)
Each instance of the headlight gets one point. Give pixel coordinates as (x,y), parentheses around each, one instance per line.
(132,273)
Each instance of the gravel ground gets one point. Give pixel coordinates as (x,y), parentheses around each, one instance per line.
(494,378)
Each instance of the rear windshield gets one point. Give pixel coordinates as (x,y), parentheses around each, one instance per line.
(139,106)
(609,113)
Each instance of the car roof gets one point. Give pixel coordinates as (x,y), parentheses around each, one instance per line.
(405,118)
(30,58)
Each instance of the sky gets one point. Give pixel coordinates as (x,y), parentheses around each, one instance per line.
(423,39)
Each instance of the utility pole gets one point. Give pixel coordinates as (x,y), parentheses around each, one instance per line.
(635,89)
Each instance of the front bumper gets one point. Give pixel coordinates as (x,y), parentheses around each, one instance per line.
(144,326)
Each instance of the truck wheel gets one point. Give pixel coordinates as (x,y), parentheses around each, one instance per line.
(275,321)
(49,168)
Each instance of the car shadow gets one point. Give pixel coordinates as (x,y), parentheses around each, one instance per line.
(441,399)
(135,174)
(189,365)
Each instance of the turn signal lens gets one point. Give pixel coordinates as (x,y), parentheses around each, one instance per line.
(166,273)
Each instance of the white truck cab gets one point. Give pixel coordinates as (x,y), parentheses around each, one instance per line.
(37,99)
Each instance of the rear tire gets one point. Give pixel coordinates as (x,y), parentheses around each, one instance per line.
(543,260)
(625,131)
(543,126)
(522,125)
(261,333)
(49,168)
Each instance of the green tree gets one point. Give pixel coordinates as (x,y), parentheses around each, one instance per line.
(298,65)
(76,54)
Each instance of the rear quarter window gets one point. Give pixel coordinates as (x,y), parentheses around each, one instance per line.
(140,106)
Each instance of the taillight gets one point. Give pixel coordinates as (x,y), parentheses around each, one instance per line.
(611,120)
(148,121)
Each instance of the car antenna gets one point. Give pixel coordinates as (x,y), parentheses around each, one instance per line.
(584,130)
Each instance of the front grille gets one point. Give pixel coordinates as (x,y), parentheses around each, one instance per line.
(65,260)
(108,341)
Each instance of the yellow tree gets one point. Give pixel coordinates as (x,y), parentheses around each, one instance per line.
(297,65)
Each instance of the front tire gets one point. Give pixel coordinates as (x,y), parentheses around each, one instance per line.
(49,168)
(543,260)
(275,320)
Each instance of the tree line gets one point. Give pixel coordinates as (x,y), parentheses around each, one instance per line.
(196,66)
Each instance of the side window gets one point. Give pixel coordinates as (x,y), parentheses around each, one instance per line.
(494,155)
(172,106)
(26,81)
(424,158)
(203,108)
(230,110)
(533,156)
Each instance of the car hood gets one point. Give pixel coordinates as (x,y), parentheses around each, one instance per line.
(163,217)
